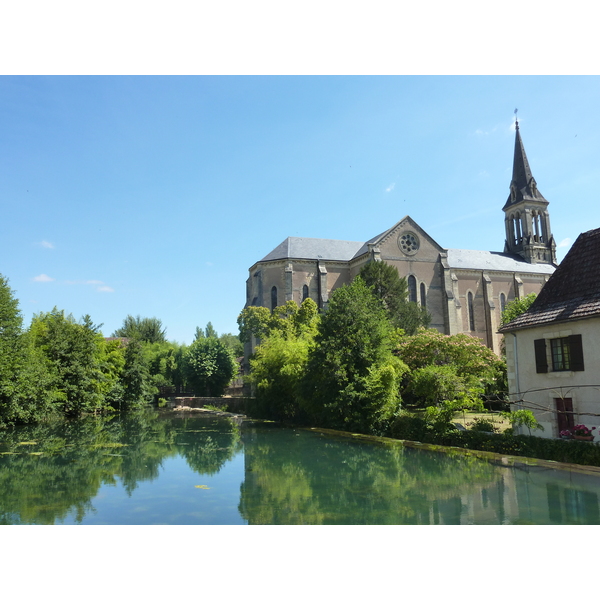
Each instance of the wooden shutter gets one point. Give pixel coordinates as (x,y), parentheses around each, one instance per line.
(541,363)
(576,352)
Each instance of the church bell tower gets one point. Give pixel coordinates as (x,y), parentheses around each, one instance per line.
(527,221)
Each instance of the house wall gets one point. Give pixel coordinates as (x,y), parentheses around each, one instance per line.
(537,391)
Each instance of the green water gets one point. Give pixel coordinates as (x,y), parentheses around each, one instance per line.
(185,469)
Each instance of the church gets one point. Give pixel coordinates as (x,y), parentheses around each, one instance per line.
(465,291)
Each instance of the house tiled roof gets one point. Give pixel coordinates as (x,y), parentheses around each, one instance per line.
(572,292)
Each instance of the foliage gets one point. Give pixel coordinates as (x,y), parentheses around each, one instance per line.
(486,425)
(351,379)
(392,291)
(413,428)
(517,307)
(524,418)
(277,370)
(24,380)
(73,355)
(135,378)
(145,329)
(480,370)
(233,343)
(164,362)
(209,366)
(289,319)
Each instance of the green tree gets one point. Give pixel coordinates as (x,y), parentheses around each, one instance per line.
(392,291)
(136,380)
(210,331)
(351,379)
(73,356)
(210,366)
(233,342)
(25,393)
(517,307)
(289,319)
(145,329)
(463,356)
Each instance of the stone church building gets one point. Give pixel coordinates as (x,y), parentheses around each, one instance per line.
(465,291)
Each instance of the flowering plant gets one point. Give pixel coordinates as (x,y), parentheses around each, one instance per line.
(567,434)
(582,430)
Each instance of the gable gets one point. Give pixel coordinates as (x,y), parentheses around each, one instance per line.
(406,240)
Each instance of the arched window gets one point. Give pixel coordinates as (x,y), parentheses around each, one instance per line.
(471,311)
(423,296)
(412,288)
(273,297)
(502,302)
(304,292)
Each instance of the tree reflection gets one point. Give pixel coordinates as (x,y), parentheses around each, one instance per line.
(52,471)
(317,481)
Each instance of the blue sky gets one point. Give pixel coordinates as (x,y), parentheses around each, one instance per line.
(154,195)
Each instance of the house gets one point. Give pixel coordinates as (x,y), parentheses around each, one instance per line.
(465,291)
(553,349)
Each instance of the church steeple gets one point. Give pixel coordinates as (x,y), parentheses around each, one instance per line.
(527,221)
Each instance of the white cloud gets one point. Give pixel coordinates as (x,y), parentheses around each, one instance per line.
(45,244)
(565,243)
(105,288)
(43,278)
(390,187)
(94,282)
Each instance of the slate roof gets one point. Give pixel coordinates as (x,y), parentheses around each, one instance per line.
(484,260)
(573,291)
(313,249)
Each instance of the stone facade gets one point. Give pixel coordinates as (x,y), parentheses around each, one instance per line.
(463,290)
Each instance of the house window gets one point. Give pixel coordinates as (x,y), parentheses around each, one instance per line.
(423,296)
(273,297)
(561,355)
(304,292)
(412,288)
(566,354)
(471,311)
(564,413)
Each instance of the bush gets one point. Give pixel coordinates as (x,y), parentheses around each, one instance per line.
(485,425)
(575,452)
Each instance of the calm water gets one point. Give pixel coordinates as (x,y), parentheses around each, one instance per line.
(169,468)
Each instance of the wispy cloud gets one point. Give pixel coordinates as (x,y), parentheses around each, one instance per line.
(105,288)
(43,278)
(565,243)
(46,244)
(486,131)
(390,187)
(94,282)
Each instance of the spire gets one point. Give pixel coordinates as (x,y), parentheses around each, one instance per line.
(523,185)
(526,217)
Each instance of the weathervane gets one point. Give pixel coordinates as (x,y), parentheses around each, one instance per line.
(516,118)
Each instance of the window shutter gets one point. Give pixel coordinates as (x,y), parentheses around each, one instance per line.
(576,348)
(541,363)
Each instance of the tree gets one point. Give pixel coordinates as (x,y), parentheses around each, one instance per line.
(145,329)
(233,343)
(288,319)
(25,394)
(477,367)
(392,292)
(351,380)
(73,355)
(136,380)
(517,307)
(210,366)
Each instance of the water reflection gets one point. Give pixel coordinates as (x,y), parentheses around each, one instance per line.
(322,481)
(51,473)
